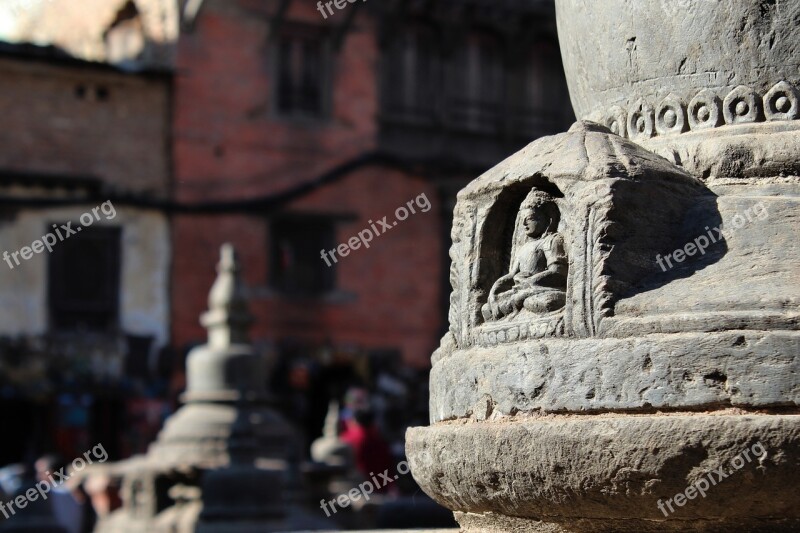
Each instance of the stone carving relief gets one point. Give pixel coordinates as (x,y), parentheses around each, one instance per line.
(463,237)
(549,253)
(651,373)
(528,300)
(537,278)
(707,109)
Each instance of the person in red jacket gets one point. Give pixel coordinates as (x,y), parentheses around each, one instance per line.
(372,454)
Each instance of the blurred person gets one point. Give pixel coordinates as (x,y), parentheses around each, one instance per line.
(370,449)
(356,399)
(12,478)
(66,509)
(76,485)
(88,514)
(300,379)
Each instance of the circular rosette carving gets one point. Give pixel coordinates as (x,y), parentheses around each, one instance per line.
(781,102)
(705,111)
(670,116)
(741,106)
(617,121)
(640,121)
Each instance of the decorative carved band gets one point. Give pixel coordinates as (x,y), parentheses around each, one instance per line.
(494,334)
(706,110)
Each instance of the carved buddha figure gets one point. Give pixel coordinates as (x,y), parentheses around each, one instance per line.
(536,279)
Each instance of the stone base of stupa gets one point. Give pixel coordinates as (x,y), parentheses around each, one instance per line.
(615,473)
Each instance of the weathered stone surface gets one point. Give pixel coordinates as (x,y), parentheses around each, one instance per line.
(715,90)
(677,346)
(605,188)
(491,523)
(762,150)
(664,55)
(740,368)
(635,333)
(607,473)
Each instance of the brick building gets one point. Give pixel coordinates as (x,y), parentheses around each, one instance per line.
(79,322)
(286,127)
(305,124)
(365,108)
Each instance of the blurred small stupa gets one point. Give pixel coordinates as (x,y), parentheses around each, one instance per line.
(219,464)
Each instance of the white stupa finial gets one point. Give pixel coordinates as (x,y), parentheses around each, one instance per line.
(228,317)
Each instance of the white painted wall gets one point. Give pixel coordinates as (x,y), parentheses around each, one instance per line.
(144,276)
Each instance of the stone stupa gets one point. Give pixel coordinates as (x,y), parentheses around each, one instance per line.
(219,463)
(623,352)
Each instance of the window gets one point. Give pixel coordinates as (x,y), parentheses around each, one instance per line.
(541,97)
(301,71)
(422,82)
(296,264)
(84,279)
(470,91)
(412,74)
(477,84)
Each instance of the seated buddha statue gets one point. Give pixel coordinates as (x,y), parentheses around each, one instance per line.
(537,277)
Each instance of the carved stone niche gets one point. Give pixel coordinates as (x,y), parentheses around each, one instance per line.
(603,188)
(620,208)
(640,327)
(563,307)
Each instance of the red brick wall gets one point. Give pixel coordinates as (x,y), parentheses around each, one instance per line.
(47,128)
(229,145)
(392,287)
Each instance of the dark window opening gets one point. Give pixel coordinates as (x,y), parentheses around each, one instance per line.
(489,84)
(301,74)
(475,100)
(297,267)
(102,93)
(84,280)
(540,89)
(412,78)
